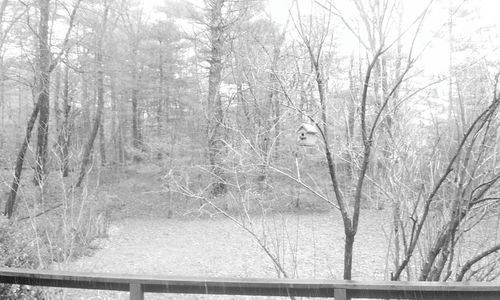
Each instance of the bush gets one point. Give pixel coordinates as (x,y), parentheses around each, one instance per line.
(15,252)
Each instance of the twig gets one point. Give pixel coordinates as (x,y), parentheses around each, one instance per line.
(40,213)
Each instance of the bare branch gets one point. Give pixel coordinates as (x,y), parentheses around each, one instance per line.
(303,184)
(64,45)
(466,267)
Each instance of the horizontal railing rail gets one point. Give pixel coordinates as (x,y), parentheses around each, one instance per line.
(137,285)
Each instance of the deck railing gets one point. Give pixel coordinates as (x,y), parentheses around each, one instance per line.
(137,285)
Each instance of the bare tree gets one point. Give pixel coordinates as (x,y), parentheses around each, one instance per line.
(100,96)
(469,195)
(377,45)
(215,112)
(134,26)
(64,138)
(46,66)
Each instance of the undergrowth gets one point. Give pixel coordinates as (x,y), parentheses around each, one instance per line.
(53,225)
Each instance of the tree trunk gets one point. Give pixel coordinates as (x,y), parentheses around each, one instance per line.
(100,102)
(19,103)
(160,92)
(122,155)
(114,113)
(136,121)
(166,104)
(65,132)
(56,107)
(348,251)
(9,206)
(2,103)
(136,142)
(214,102)
(43,93)
(273,97)
(351,115)
(102,140)
(86,113)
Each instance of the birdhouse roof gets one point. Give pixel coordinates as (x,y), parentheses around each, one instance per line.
(309,128)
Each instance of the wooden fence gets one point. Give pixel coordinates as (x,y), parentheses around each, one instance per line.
(137,285)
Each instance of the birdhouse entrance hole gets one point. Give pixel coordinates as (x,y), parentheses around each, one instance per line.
(307,135)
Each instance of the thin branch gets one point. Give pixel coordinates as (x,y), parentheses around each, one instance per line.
(40,213)
(480,121)
(466,267)
(66,37)
(316,193)
(275,261)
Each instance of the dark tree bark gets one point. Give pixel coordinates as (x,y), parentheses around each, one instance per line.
(2,103)
(122,157)
(102,140)
(115,121)
(122,154)
(46,66)
(100,101)
(161,95)
(43,82)
(9,206)
(87,116)
(65,132)
(56,106)
(137,141)
(135,117)
(214,102)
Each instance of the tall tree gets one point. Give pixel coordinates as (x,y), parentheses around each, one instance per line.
(44,61)
(215,112)
(46,65)
(134,25)
(221,22)
(315,38)
(64,138)
(100,97)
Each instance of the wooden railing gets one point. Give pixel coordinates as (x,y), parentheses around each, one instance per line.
(137,285)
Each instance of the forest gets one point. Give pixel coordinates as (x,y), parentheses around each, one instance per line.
(372,114)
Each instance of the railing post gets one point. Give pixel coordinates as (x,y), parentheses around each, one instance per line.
(136,291)
(340,294)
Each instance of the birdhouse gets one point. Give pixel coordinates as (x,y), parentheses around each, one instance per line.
(307,135)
